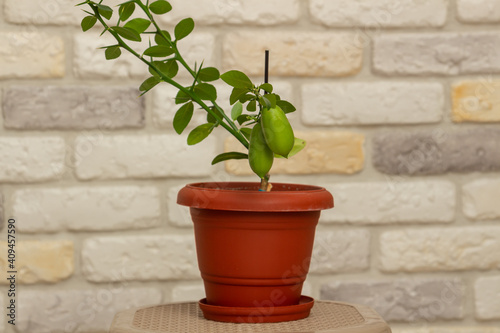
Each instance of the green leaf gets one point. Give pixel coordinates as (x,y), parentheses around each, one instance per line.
(105,11)
(206,91)
(183,28)
(183,117)
(237,79)
(160,40)
(88,22)
(138,24)
(266,87)
(246,132)
(298,145)
(168,68)
(127,33)
(243,119)
(182,97)
(236,94)
(199,134)
(229,156)
(209,74)
(211,118)
(149,83)
(236,110)
(112,52)
(126,10)
(269,101)
(160,7)
(159,51)
(245,98)
(252,106)
(287,107)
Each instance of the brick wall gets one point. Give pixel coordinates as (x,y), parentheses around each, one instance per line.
(399,101)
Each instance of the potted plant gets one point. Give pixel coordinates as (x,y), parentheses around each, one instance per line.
(254,240)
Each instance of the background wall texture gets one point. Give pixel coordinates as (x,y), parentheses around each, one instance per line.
(399,101)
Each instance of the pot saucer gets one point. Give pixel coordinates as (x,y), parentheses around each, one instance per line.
(266,314)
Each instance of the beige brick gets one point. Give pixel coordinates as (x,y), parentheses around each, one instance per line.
(476,101)
(39,261)
(294,53)
(380,13)
(487,296)
(87,208)
(255,12)
(325,152)
(480,199)
(31,55)
(31,159)
(440,249)
(141,156)
(478,11)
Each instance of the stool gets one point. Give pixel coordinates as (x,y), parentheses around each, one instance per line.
(325,317)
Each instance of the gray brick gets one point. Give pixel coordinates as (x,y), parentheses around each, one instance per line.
(436,53)
(437,151)
(403,300)
(52,107)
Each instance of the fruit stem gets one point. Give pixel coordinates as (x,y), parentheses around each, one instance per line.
(265,185)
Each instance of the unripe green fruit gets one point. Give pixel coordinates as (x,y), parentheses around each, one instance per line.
(260,156)
(277,131)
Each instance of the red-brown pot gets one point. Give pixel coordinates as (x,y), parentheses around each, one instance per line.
(254,248)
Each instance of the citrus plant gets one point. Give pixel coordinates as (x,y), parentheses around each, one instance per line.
(258,115)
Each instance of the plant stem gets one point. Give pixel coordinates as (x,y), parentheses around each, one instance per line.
(231,128)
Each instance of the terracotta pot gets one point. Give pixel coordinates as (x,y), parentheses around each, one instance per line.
(254,248)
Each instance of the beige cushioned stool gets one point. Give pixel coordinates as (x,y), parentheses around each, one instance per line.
(326,317)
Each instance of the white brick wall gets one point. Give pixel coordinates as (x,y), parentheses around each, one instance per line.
(392,202)
(163,257)
(91,172)
(148,156)
(382,13)
(31,159)
(372,103)
(87,209)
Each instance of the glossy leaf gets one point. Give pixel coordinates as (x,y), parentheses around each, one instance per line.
(88,22)
(211,118)
(243,119)
(199,134)
(183,28)
(209,74)
(252,106)
(206,91)
(138,24)
(160,7)
(267,87)
(112,52)
(236,94)
(183,117)
(160,40)
(237,79)
(126,10)
(169,68)
(269,100)
(298,145)
(127,33)
(105,11)
(149,83)
(287,107)
(158,51)
(229,156)
(182,97)
(236,110)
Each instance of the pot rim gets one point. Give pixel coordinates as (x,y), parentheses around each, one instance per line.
(245,196)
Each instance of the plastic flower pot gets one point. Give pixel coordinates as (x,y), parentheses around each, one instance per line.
(254,248)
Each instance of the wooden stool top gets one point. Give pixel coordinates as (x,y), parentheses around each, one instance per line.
(326,317)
